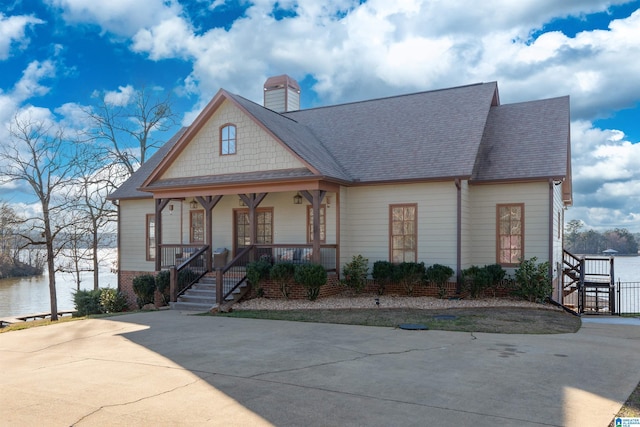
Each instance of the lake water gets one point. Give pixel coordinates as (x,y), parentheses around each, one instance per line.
(27,295)
(31,294)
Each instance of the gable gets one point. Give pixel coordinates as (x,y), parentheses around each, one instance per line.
(256,149)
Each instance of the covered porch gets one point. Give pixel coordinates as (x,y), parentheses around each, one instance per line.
(220,234)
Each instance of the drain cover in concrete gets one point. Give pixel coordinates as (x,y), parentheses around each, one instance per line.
(413,326)
(445,317)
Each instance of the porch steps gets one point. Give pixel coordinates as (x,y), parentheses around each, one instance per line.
(201,296)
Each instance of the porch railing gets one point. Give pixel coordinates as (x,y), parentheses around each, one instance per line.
(175,254)
(588,283)
(187,271)
(233,275)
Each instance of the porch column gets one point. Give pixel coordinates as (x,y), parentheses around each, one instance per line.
(208,203)
(252,201)
(160,205)
(315,198)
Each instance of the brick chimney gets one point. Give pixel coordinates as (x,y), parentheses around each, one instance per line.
(281,94)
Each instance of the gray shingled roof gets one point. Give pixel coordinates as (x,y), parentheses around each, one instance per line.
(425,135)
(247,177)
(525,140)
(442,134)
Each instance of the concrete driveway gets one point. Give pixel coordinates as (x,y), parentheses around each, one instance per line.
(170,368)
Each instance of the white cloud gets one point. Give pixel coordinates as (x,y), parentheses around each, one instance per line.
(120,97)
(120,17)
(13,31)
(29,85)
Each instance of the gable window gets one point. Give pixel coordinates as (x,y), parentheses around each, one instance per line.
(227,140)
(510,230)
(196,226)
(151,237)
(403,233)
(323,224)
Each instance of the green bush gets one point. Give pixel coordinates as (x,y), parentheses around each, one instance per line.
(87,302)
(163,285)
(355,273)
(496,276)
(312,277)
(476,280)
(532,280)
(113,301)
(282,274)
(383,273)
(409,274)
(439,274)
(144,287)
(257,271)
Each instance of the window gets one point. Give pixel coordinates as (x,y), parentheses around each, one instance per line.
(264,218)
(227,140)
(196,226)
(323,224)
(151,237)
(510,229)
(404,233)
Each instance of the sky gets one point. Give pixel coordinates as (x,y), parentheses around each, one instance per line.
(60,56)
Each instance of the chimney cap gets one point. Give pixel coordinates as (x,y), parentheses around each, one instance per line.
(282,80)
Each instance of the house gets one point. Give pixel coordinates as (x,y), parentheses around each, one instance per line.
(446,176)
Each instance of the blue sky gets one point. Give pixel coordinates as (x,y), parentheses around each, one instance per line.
(59,56)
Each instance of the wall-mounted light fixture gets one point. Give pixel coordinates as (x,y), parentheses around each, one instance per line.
(328,202)
(297,199)
(171,209)
(241,202)
(193,204)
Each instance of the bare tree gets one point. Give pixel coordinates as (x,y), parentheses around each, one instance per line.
(126,129)
(97,214)
(38,155)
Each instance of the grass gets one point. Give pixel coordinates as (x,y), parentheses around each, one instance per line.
(38,322)
(506,320)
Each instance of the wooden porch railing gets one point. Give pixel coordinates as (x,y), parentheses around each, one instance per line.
(187,269)
(231,276)
(587,281)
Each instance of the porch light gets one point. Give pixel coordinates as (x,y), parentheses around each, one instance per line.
(193,204)
(241,202)
(297,199)
(171,209)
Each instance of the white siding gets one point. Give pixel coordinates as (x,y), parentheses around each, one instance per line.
(466,225)
(365,221)
(256,149)
(133,235)
(483,201)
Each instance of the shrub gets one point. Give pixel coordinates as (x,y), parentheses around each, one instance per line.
(163,285)
(87,302)
(439,274)
(258,271)
(383,272)
(532,280)
(355,273)
(475,280)
(312,277)
(112,301)
(496,276)
(409,274)
(144,286)
(282,273)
